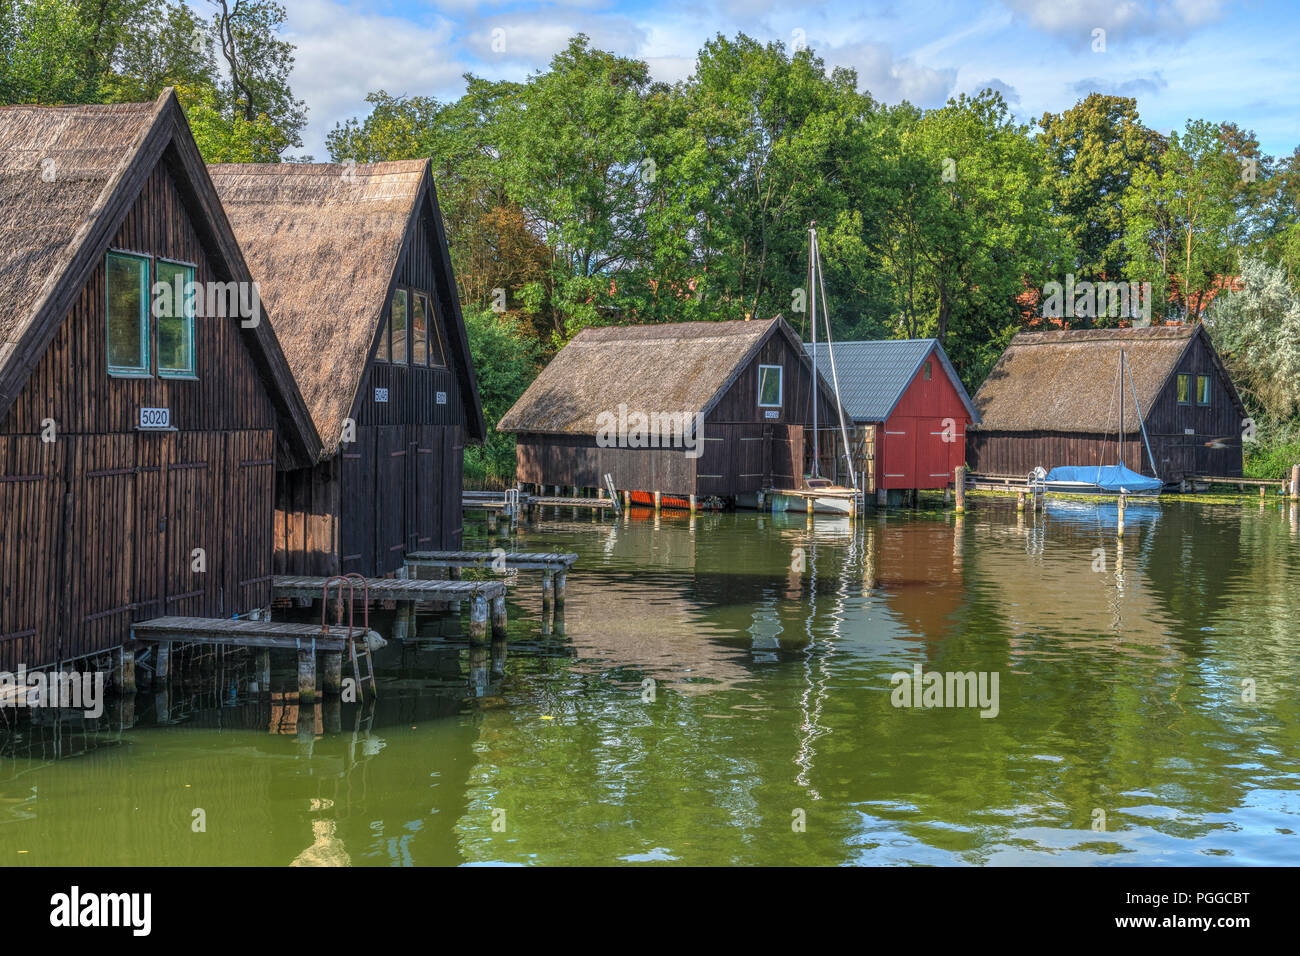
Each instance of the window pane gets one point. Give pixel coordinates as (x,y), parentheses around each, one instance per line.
(1203,389)
(419,325)
(436,356)
(176,320)
(769,385)
(1184,387)
(398,324)
(128,313)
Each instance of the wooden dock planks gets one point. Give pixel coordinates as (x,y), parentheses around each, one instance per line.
(513,560)
(390,589)
(242,633)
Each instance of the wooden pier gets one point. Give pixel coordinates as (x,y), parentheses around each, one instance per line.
(479,593)
(307,639)
(553,565)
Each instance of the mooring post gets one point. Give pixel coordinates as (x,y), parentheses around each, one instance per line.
(947,497)
(492,522)
(959,488)
(627,499)
(306,673)
(882,498)
(163,668)
(561,578)
(1020,501)
(478,618)
(761,501)
(1122,505)
(125,677)
(499,616)
(692,504)
(659,501)
(1261,492)
(809,505)
(262,668)
(332,682)
(1295,482)
(548,592)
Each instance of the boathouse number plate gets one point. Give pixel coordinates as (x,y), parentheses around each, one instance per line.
(155,418)
(775,413)
(381,394)
(441,398)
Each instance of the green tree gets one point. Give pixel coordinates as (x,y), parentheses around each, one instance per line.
(505,361)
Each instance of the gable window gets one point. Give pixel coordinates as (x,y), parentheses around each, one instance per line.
(1184,389)
(927,372)
(419,329)
(128,314)
(176,320)
(1202,390)
(769,386)
(397,323)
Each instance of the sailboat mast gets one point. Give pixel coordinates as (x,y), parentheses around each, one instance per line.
(812,304)
(1121,406)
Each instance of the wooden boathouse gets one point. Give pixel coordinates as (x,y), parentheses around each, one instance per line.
(139,433)
(353,263)
(908,409)
(1052,399)
(611,401)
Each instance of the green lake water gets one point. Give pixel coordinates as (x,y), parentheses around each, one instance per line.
(719,692)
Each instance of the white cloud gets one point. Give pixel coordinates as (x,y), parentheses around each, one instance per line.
(889,78)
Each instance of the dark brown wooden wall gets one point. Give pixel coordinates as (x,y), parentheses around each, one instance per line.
(134,504)
(397,488)
(1177,454)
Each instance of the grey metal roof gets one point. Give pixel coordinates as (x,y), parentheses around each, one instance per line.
(874,375)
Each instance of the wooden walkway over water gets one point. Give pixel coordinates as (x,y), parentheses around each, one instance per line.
(554,566)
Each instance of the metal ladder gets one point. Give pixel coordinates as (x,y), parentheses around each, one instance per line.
(355,654)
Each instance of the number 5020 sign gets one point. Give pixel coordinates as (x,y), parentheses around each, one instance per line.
(155,418)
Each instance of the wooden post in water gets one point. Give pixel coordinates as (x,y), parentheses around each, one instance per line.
(1020,501)
(163,669)
(306,673)
(761,501)
(627,500)
(1261,492)
(492,522)
(478,618)
(561,579)
(125,678)
(809,503)
(262,667)
(882,498)
(548,593)
(1295,482)
(499,616)
(659,501)
(332,681)
(692,505)
(959,488)
(1122,504)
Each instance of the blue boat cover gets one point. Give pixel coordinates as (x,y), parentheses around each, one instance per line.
(1113,478)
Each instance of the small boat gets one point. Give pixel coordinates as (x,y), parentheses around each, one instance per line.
(1116,479)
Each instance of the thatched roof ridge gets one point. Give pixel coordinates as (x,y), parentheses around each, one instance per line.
(669,367)
(68,177)
(1064,380)
(325,241)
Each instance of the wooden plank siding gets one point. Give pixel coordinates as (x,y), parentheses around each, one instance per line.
(1176,452)
(138,503)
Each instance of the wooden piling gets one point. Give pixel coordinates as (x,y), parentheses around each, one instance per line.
(1295,482)
(692,504)
(627,500)
(332,680)
(1122,505)
(125,677)
(659,501)
(959,488)
(882,498)
(262,667)
(762,500)
(162,670)
(499,616)
(560,580)
(1020,501)
(306,674)
(548,592)
(492,522)
(478,618)
(809,505)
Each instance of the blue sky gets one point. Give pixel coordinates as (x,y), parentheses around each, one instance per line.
(1205,59)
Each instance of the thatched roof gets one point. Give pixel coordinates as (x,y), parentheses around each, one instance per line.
(325,241)
(677,366)
(1065,380)
(68,176)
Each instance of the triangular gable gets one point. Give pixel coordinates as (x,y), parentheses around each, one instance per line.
(59,264)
